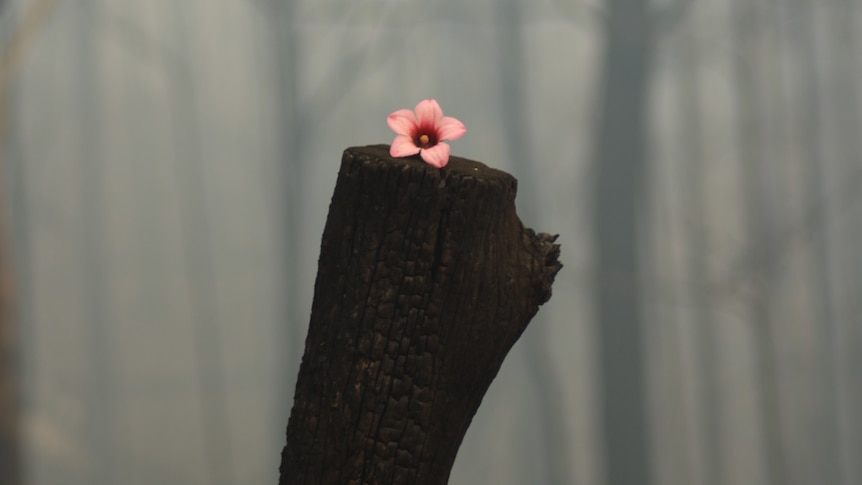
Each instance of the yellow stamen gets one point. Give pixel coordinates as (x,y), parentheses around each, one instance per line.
(423,140)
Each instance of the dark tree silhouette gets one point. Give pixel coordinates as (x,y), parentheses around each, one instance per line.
(9,397)
(619,192)
(11,58)
(9,379)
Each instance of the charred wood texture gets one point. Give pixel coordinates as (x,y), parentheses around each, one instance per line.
(426,279)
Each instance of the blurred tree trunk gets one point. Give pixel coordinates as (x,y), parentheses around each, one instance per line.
(619,192)
(10,452)
(97,385)
(11,58)
(707,385)
(540,366)
(844,67)
(760,262)
(190,167)
(822,460)
(292,152)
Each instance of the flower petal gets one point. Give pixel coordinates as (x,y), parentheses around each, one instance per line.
(450,128)
(428,112)
(402,122)
(403,146)
(438,155)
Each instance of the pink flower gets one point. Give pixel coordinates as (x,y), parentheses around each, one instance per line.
(424,132)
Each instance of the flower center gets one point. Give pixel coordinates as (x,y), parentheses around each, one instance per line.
(425,139)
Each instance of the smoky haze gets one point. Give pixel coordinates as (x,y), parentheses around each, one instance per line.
(166,170)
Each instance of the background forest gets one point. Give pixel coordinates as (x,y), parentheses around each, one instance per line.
(166,168)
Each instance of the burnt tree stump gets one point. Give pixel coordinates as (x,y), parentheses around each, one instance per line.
(426,279)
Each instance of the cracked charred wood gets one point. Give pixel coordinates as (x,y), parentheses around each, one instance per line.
(426,279)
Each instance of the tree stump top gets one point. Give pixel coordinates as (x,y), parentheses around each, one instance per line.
(463,167)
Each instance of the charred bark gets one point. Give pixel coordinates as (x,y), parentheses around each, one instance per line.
(426,279)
